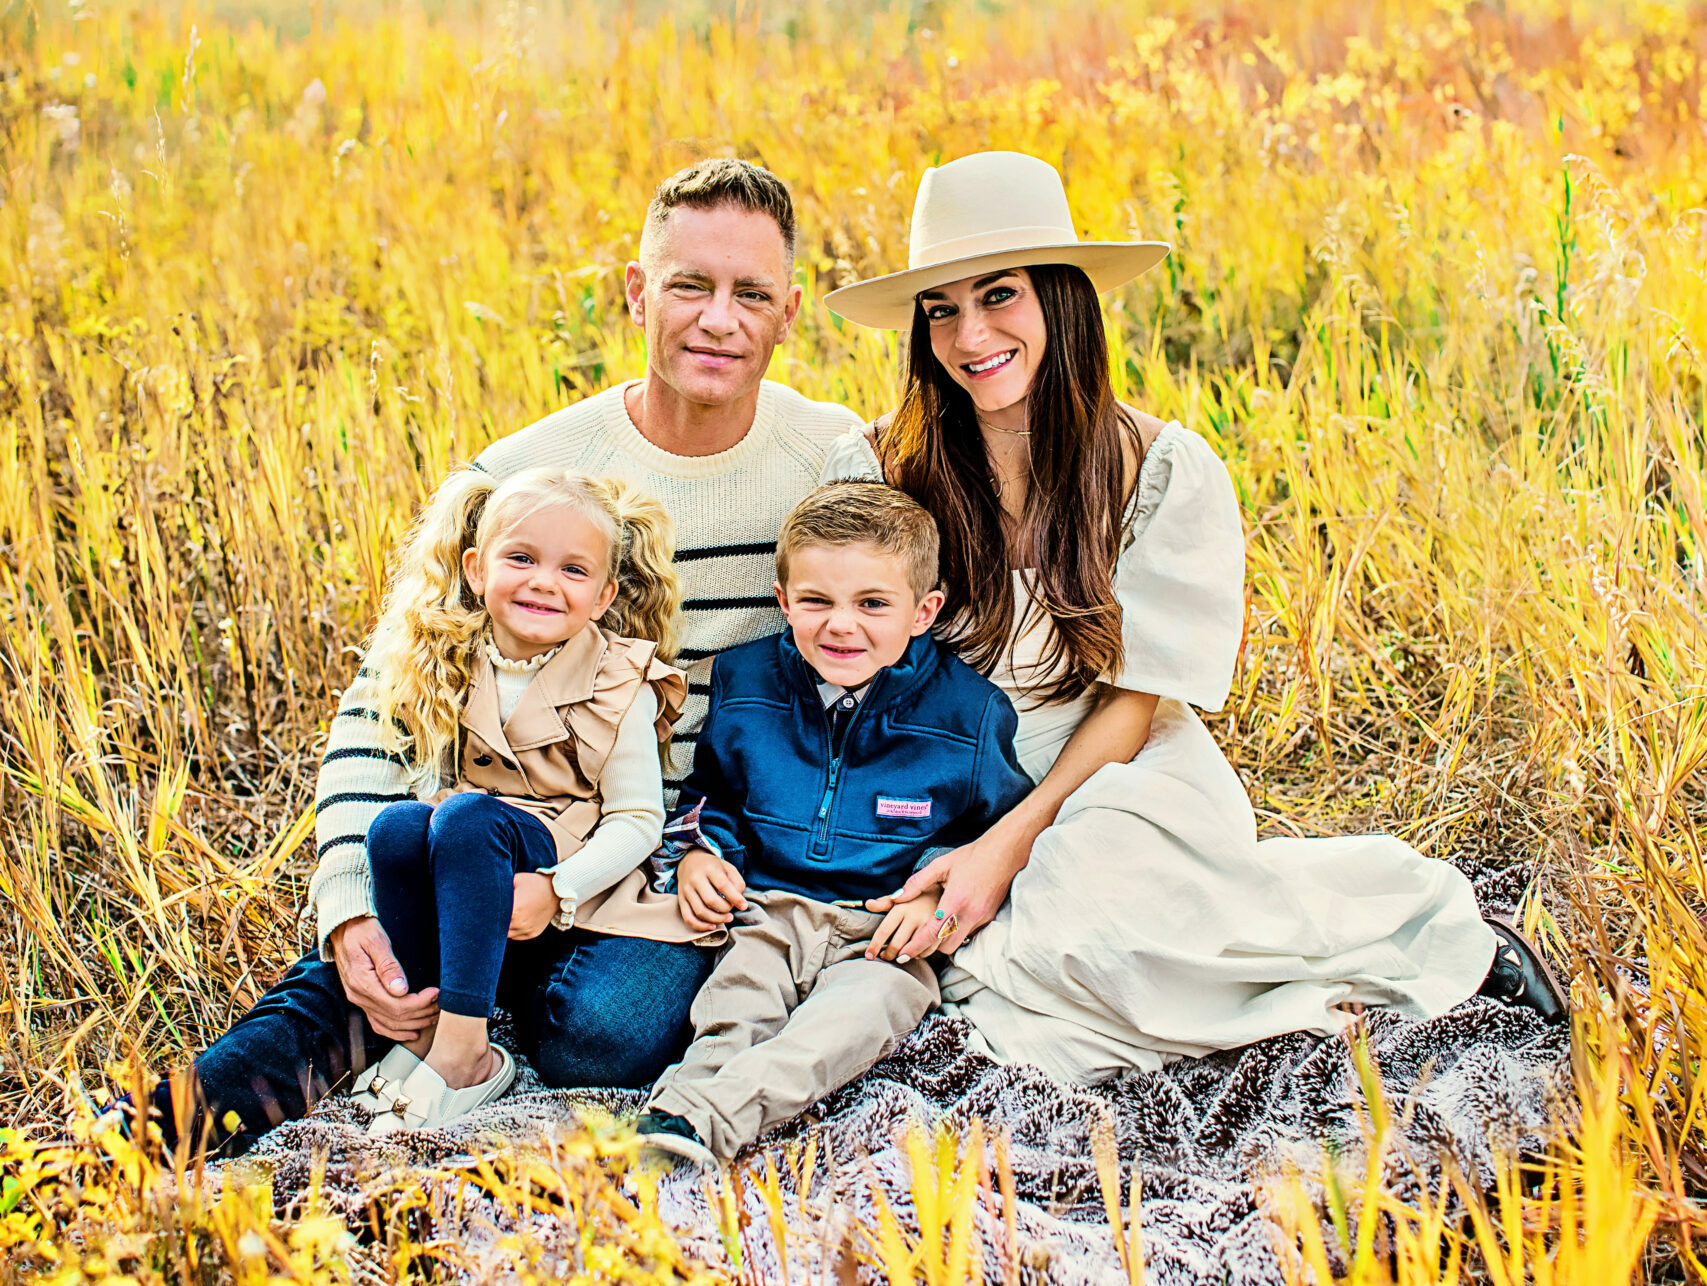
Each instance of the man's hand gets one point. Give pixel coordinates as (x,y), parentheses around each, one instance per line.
(374,981)
(708,890)
(536,902)
(907,922)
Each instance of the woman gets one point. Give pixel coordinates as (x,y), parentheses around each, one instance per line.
(1126,912)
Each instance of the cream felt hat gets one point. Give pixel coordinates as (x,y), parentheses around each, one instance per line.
(986,211)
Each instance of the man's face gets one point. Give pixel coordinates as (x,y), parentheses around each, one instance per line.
(714,294)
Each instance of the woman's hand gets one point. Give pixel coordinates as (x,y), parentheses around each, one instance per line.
(906,920)
(534,907)
(974,879)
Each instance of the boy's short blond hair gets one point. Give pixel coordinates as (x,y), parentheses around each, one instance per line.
(863,513)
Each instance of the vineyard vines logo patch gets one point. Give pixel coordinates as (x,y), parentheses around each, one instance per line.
(903,807)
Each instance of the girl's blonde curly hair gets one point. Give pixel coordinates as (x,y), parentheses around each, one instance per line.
(432,625)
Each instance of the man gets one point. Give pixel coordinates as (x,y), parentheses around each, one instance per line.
(729,454)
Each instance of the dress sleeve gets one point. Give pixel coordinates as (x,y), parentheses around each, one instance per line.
(851,458)
(1181,578)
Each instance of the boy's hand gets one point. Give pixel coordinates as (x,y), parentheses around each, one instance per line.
(535,904)
(708,890)
(905,921)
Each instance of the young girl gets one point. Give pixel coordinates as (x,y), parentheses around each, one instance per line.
(503,663)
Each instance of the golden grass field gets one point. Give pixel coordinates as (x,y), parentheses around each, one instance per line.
(1437,298)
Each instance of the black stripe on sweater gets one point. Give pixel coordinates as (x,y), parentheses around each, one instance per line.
(358,712)
(363,797)
(727,604)
(767,548)
(337,840)
(372,716)
(365,752)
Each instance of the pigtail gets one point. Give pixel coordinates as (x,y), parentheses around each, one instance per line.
(431,626)
(648,597)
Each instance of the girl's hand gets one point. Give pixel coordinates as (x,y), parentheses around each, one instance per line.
(974,879)
(535,905)
(708,890)
(914,918)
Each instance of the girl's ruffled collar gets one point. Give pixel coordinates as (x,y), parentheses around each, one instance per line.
(503,665)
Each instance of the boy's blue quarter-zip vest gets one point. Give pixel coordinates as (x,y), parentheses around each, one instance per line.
(926,761)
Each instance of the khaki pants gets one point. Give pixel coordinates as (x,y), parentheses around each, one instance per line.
(792,1012)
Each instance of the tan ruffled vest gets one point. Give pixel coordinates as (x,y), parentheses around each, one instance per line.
(547,758)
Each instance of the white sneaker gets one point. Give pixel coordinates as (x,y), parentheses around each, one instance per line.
(424,1102)
(377,1085)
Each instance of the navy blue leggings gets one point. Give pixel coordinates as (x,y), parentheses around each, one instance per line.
(443,887)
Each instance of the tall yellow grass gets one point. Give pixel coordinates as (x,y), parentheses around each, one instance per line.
(1437,298)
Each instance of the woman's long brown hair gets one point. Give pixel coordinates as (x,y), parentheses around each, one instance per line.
(1071,528)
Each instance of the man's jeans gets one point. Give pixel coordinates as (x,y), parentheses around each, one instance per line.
(590,1010)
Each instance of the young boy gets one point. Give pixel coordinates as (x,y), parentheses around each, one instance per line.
(837,758)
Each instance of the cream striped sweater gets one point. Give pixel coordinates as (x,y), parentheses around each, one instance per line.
(727,508)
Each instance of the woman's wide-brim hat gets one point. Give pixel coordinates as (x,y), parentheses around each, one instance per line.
(984,212)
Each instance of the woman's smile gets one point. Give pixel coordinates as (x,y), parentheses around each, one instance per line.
(989,366)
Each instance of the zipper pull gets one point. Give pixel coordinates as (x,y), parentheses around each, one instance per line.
(830,789)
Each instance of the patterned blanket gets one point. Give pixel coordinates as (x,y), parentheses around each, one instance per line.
(1204,1132)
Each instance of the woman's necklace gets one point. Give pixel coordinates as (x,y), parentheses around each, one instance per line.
(998,479)
(1002,481)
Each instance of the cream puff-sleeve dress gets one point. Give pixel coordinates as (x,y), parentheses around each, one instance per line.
(1151,922)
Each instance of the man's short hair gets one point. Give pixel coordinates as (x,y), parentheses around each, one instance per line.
(863,513)
(723,180)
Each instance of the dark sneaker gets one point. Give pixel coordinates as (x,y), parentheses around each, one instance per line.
(1520,977)
(672,1136)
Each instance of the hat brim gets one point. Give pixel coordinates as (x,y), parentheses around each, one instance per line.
(887,302)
